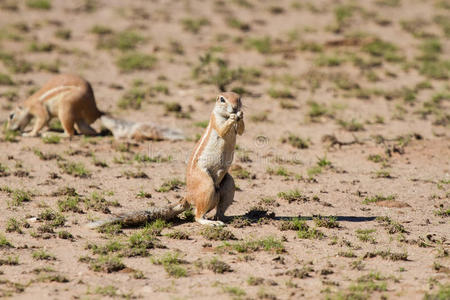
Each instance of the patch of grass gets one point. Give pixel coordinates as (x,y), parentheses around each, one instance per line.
(18,197)
(292,196)
(75,169)
(178,235)
(125,40)
(364,235)
(63,34)
(65,235)
(101,30)
(170,185)
(51,139)
(9,261)
(136,62)
(296,141)
(218,266)
(171,262)
(348,254)
(329,61)
(442,293)
(386,50)
(98,203)
(306,232)
(56,218)
(327,222)
(107,264)
(391,226)
(378,198)
(217,233)
(280,171)
(194,25)
(351,126)
(39,4)
(4,243)
(12,225)
(237,24)
(5,79)
(234,291)
(43,255)
(262,45)
(71,203)
(41,47)
(268,244)
(387,254)
(280,93)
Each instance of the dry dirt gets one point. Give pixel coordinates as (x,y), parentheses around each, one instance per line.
(377,210)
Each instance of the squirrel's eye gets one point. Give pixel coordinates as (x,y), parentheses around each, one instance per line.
(222,99)
(11,116)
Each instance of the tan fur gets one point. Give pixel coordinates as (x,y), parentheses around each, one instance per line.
(209,185)
(68,97)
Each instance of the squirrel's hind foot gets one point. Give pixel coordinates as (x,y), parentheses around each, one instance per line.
(210,222)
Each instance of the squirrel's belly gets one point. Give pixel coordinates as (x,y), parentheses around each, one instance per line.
(216,158)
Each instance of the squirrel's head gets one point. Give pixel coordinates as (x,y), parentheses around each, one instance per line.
(228,103)
(19,118)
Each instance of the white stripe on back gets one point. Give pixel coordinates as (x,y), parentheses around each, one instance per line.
(59,88)
(201,143)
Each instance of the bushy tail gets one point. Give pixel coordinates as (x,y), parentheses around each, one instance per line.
(139,130)
(137,218)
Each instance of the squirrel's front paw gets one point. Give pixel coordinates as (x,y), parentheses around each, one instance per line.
(233,117)
(240,115)
(29,134)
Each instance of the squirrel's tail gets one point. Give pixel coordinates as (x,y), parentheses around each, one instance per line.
(139,130)
(141,217)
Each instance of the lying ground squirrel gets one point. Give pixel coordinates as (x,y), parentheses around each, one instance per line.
(71,99)
(209,185)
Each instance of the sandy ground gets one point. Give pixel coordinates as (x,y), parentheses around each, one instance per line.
(290,54)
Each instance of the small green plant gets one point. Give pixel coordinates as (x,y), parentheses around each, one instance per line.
(64,34)
(296,141)
(107,264)
(43,255)
(136,62)
(292,196)
(217,234)
(51,139)
(442,293)
(378,198)
(4,243)
(74,169)
(268,244)
(194,25)
(5,79)
(125,40)
(387,254)
(218,266)
(171,262)
(353,125)
(18,197)
(39,4)
(364,235)
(280,93)
(71,203)
(170,185)
(12,225)
(262,45)
(327,222)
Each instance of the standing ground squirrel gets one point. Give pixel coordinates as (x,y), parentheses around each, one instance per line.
(209,185)
(71,99)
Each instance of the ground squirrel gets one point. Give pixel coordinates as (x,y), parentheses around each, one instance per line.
(71,99)
(209,185)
